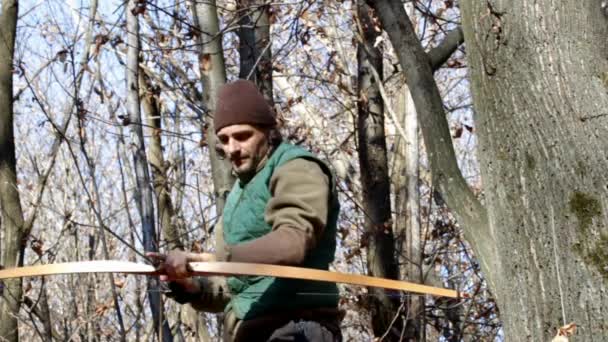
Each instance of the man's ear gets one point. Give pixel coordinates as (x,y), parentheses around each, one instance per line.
(220,152)
(274,136)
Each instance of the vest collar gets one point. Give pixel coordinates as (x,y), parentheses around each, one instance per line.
(243,181)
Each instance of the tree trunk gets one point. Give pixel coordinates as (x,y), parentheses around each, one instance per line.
(255,45)
(93,326)
(166,209)
(407,210)
(374,178)
(10,204)
(539,80)
(156,159)
(40,309)
(416,65)
(139,306)
(213,76)
(144,196)
(247,48)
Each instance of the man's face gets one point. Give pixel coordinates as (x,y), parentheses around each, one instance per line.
(245,146)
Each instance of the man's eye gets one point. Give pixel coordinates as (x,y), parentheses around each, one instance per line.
(242,136)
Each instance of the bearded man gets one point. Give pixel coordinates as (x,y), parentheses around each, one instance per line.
(282,210)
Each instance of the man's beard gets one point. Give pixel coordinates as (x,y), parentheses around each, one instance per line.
(247,173)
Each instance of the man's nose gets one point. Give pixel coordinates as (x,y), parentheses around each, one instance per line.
(232,147)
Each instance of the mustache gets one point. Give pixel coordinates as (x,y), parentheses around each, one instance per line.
(237,156)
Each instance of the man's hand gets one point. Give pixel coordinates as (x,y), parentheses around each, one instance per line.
(174,265)
(173,268)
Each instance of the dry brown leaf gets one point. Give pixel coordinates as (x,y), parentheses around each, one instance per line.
(140,8)
(120,283)
(99,41)
(86,68)
(62,55)
(37,247)
(564,332)
(28,287)
(439,13)
(272,15)
(458,132)
(206,62)
(567,330)
(197,247)
(352,254)
(101,309)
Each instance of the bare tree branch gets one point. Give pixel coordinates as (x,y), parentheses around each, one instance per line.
(442,52)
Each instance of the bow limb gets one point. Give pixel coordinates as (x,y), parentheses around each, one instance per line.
(238,268)
(227,269)
(97,266)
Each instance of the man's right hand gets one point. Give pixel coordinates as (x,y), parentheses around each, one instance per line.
(173,267)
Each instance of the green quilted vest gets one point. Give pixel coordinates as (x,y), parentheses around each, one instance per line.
(243,220)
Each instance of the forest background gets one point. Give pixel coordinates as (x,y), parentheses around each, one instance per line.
(106,152)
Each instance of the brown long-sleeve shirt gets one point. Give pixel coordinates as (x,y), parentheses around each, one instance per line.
(297,212)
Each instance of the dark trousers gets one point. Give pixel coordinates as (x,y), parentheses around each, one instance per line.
(304,331)
(297,330)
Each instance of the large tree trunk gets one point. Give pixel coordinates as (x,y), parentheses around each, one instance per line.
(374,177)
(542,131)
(539,80)
(10,204)
(144,192)
(213,76)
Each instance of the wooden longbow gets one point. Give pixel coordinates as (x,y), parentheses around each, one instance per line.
(228,269)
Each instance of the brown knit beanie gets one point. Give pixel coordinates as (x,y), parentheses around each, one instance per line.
(240,102)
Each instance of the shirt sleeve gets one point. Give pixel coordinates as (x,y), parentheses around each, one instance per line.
(297,212)
(213,294)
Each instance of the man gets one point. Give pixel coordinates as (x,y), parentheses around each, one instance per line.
(282,210)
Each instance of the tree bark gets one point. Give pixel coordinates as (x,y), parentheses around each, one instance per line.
(144,196)
(10,203)
(374,178)
(213,76)
(539,81)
